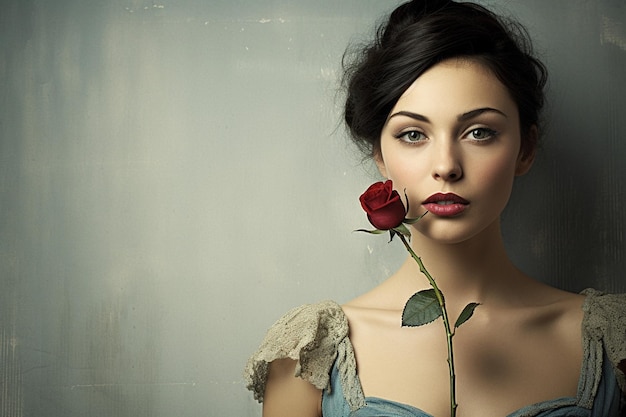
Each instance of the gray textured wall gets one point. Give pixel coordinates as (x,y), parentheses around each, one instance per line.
(172,179)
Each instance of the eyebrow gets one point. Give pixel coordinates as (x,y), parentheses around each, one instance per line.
(461,118)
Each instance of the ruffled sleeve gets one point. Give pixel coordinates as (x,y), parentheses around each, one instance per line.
(605,323)
(315,335)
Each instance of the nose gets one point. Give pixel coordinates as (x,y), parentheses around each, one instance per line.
(446,163)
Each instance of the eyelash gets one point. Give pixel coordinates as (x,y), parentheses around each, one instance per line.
(403,136)
(491,134)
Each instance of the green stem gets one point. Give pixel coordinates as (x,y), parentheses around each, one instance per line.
(446,322)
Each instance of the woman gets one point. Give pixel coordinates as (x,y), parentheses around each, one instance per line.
(447,102)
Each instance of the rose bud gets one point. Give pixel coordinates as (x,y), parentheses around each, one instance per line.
(383,206)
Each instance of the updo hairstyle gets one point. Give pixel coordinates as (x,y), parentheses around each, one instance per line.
(418,35)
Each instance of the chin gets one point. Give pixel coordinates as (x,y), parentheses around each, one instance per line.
(450,233)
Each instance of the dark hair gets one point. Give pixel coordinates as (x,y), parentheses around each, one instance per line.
(422,33)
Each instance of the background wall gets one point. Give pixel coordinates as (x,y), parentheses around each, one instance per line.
(174,177)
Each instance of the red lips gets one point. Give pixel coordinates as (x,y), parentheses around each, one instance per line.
(451,197)
(445,204)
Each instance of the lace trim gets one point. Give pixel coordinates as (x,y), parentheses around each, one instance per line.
(604,330)
(313,335)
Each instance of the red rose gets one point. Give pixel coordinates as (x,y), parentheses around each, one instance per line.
(383,206)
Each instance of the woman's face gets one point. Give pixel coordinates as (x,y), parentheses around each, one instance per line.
(452,143)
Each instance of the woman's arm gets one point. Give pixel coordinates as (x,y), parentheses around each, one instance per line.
(289,396)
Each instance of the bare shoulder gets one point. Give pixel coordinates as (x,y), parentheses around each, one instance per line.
(287,395)
(564,306)
(550,320)
(376,308)
(551,309)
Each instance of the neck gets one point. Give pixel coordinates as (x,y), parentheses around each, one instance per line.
(475,269)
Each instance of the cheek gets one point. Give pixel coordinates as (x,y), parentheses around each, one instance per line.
(400,163)
(498,174)
(405,170)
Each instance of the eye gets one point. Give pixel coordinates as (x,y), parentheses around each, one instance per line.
(482,134)
(412,136)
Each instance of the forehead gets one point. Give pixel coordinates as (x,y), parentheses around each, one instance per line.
(456,85)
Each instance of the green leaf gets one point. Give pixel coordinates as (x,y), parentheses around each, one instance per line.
(465,315)
(372,232)
(402,229)
(422,308)
(415,220)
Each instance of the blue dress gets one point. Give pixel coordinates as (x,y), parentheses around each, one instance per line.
(605,404)
(316,335)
